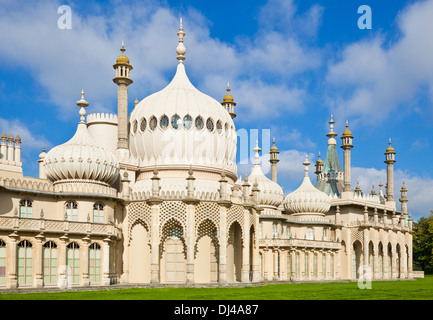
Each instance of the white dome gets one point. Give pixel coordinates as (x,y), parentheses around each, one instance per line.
(81,158)
(180,125)
(307,199)
(271,194)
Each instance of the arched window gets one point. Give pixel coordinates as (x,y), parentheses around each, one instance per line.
(134,126)
(287,232)
(50,263)
(25,208)
(274,231)
(143,124)
(309,234)
(176,122)
(2,263)
(25,255)
(209,124)
(325,234)
(73,262)
(153,122)
(71,211)
(219,126)
(163,122)
(187,122)
(199,123)
(98,212)
(95,263)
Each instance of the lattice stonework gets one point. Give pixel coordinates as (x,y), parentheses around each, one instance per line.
(236,213)
(355,234)
(206,228)
(139,212)
(207,210)
(172,210)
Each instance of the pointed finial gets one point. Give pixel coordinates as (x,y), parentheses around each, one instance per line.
(123,47)
(83,104)
(257,156)
(306,163)
(331,133)
(181,50)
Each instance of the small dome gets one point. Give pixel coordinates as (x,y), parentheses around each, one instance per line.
(122,59)
(228,98)
(390,149)
(307,199)
(274,147)
(271,194)
(81,158)
(347,132)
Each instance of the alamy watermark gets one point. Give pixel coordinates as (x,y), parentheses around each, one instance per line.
(65,20)
(365,277)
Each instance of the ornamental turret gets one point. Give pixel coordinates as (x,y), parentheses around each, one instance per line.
(123,80)
(229,103)
(346,146)
(273,159)
(390,160)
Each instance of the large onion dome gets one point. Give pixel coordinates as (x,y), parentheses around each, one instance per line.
(271,194)
(307,199)
(81,158)
(180,126)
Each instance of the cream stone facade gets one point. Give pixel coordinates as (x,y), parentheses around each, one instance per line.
(155,198)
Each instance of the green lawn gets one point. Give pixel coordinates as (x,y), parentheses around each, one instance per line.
(420,289)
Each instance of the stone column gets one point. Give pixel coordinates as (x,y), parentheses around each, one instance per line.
(256,255)
(106,281)
(222,237)
(12,259)
(38,254)
(275,264)
(245,271)
(85,281)
(154,241)
(63,263)
(190,242)
(376,271)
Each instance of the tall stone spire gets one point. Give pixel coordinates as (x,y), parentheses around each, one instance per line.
(273,159)
(390,160)
(123,80)
(346,146)
(181,50)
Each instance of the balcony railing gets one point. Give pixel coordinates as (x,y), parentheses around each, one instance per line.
(58,226)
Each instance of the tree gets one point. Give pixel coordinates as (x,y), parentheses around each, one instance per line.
(423,244)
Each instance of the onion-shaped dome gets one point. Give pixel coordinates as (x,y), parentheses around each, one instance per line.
(271,194)
(228,98)
(347,132)
(81,158)
(390,148)
(122,59)
(307,199)
(180,126)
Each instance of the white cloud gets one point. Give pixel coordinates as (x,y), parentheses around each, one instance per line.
(29,140)
(373,78)
(420,189)
(66,61)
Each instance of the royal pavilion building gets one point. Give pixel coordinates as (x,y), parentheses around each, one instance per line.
(154,197)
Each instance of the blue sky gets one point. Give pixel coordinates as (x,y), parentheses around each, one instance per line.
(291,64)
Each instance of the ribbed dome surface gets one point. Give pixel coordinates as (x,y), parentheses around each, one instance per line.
(81,158)
(307,198)
(180,125)
(271,194)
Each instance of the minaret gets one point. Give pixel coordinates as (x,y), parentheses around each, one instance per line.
(403,201)
(229,103)
(390,160)
(273,159)
(123,80)
(319,165)
(42,155)
(346,146)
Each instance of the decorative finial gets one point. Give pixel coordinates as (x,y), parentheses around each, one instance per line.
(83,104)
(181,50)
(306,163)
(123,47)
(331,133)
(257,156)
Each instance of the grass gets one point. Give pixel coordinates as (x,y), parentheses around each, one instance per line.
(419,289)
